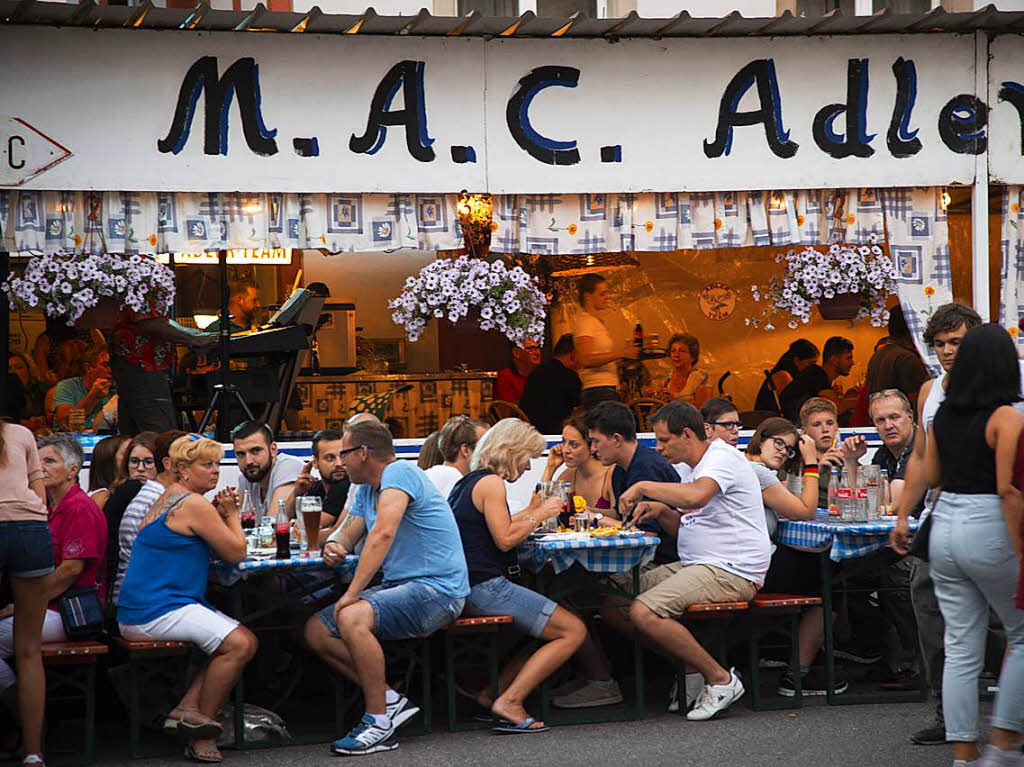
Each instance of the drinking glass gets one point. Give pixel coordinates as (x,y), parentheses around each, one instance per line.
(310,507)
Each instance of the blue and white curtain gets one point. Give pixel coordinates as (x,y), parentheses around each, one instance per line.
(606,223)
(1011,308)
(151,222)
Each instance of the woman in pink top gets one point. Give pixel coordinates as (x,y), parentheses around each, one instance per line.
(26,550)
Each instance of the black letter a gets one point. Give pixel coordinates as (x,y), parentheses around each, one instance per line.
(761,72)
(241,78)
(407,75)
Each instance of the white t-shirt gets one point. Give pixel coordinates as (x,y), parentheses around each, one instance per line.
(444,478)
(730,531)
(767,478)
(285,470)
(589,326)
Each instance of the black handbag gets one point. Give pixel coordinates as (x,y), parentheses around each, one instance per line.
(81,613)
(919,543)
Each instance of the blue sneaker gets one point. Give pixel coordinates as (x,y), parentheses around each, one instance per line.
(366,738)
(401,711)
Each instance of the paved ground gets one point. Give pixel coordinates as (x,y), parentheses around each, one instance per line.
(849,736)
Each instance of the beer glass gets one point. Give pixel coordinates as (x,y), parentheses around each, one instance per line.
(310,507)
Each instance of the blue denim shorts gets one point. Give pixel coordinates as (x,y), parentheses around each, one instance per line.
(26,549)
(500,596)
(403,610)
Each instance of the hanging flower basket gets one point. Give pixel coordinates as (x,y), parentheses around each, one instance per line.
(845,282)
(507,300)
(844,306)
(91,289)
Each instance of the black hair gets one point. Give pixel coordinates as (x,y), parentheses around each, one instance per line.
(800,349)
(715,408)
(986,372)
(588,284)
(835,346)
(564,345)
(950,317)
(612,418)
(678,415)
(248,428)
(897,323)
(324,435)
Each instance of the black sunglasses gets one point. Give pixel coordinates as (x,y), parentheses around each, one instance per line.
(347,450)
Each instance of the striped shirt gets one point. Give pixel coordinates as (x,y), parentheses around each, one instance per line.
(129,528)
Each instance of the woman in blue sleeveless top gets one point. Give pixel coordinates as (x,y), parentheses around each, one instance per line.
(164,589)
(489,538)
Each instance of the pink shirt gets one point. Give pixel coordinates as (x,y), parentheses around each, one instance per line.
(79,531)
(20,466)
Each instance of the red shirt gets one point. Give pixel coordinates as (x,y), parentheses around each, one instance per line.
(79,531)
(143,351)
(508,386)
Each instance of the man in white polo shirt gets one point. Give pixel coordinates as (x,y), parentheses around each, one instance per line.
(718,520)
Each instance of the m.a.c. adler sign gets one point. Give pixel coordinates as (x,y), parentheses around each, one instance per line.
(191,111)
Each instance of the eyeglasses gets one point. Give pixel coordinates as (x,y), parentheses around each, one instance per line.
(782,446)
(730,425)
(147,463)
(347,450)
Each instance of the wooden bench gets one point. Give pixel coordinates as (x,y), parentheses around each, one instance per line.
(71,676)
(766,610)
(459,646)
(148,662)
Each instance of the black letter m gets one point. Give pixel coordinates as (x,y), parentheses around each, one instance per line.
(241,78)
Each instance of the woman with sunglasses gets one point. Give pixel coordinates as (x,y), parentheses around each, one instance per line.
(774,447)
(163,593)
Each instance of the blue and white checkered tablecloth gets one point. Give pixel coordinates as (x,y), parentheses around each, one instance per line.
(847,540)
(226,574)
(599,554)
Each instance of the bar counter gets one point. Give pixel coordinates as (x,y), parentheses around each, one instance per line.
(326,400)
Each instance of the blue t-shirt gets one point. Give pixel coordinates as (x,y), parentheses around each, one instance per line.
(427,546)
(648,466)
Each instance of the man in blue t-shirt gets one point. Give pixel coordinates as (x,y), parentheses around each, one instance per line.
(414,541)
(612,433)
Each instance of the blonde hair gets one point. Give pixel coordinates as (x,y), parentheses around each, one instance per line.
(504,445)
(188,450)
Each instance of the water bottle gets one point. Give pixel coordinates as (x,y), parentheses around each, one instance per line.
(282,531)
(833,492)
(884,494)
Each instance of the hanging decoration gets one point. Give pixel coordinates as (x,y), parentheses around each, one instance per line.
(507,300)
(475,215)
(844,282)
(68,285)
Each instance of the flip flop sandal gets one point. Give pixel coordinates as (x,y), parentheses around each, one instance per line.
(207,756)
(203,729)
(524,727)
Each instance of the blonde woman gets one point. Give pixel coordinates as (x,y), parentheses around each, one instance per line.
(162,596)
(489,539)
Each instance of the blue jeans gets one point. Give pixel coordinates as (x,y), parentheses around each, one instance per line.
(403,610)
(500,596)
(26,549)
(973,567)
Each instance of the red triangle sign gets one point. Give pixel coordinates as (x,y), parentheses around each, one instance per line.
(25,152)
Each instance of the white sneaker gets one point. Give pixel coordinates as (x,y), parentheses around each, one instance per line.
(694,685)
(716,698)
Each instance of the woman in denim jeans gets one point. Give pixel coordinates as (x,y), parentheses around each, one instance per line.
(489,539)
(974,548)
(26,550)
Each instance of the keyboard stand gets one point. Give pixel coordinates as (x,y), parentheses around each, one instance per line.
(230,393)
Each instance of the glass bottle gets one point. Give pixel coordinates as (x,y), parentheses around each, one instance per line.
(833,492)
(282,531)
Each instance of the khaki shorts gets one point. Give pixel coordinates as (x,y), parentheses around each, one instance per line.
(669,589)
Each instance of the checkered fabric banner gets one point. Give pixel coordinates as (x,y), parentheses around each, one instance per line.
(612,223)
(843,540)
(1011,308)
(598,554)
(918,234)
(36,222)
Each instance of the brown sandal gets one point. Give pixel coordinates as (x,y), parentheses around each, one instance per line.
(197,726)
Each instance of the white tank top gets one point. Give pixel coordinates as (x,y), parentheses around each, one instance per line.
(931,405)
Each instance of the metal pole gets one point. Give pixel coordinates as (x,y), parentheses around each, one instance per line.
(979,193)
(5,318)
(224,413)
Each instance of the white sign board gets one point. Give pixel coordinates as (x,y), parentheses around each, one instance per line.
(1006,100)
(193,111)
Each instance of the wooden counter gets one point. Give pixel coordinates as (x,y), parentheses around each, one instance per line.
(435,397)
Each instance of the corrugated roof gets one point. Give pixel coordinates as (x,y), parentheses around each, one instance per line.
(147,16)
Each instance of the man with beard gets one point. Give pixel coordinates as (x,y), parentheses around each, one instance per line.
(267,476)
(333,486)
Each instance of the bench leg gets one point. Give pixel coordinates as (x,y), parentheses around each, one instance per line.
(90,712)
(794,660)
(133,708)
(428,706)
(755,669)
(449,677)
